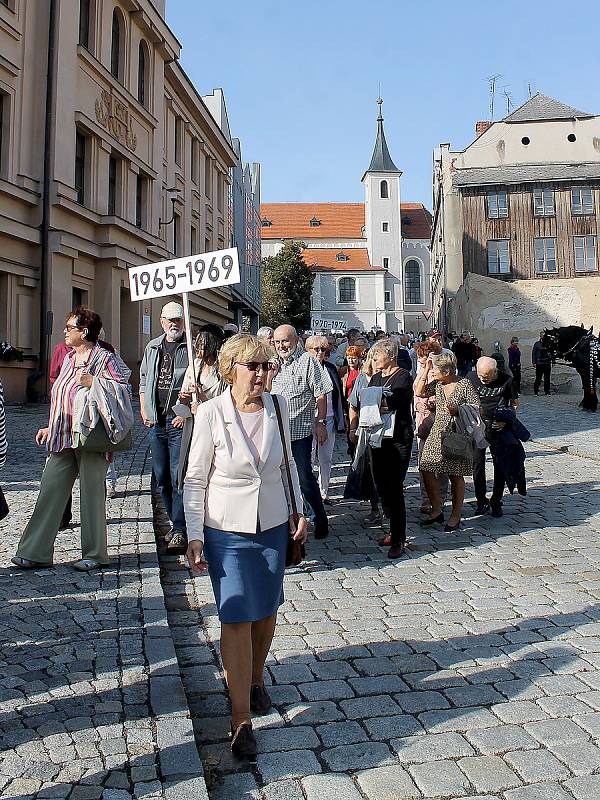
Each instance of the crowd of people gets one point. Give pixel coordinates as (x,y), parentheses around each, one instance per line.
(242,447)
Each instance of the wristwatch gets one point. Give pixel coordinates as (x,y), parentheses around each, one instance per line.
(322,421)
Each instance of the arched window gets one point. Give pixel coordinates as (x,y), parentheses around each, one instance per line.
(143,74)
(116,47)
(347,290)
(412,283)
(383,190)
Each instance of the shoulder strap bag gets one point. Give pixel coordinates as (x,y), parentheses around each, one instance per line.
(296,552)
(457,446)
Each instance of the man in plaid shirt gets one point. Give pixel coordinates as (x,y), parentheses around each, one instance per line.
(305,385)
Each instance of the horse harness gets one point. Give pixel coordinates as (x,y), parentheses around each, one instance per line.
(594,354)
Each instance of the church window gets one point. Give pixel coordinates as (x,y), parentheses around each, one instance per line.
(383,190)
(385,227)
(412,282)
(347,290)
(315,223)
(386,262)
(341,257)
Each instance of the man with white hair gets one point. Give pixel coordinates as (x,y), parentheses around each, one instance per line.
(496,390)
(161,377)
(305,385)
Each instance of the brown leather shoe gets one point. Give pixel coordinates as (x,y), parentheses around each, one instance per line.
(260,702)
(243,743)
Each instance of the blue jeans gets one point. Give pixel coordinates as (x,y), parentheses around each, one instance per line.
(302,452)
(165,442)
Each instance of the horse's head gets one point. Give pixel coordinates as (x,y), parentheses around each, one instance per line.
(551,341)
(559,341)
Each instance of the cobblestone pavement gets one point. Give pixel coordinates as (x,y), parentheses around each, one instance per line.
(91,702)
(469,669)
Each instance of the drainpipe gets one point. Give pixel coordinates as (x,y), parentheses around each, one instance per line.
(49,131)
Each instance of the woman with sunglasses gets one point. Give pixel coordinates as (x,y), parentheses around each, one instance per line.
(239,510)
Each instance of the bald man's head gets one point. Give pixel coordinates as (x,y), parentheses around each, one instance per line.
(285,339)
(487,369)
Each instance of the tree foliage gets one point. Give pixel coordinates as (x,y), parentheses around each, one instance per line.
(286,288)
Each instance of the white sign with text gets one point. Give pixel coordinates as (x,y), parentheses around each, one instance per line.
(187,274)
(328,324)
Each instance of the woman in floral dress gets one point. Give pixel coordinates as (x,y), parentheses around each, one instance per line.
(450,393)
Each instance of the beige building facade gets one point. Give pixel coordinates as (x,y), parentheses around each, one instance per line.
(516,227)
(134,169)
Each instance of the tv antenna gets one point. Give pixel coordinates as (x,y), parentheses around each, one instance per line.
(509,101)
(492,82)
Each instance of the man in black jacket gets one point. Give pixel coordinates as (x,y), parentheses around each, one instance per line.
(495,390)
(540,358)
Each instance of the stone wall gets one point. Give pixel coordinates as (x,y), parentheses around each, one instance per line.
(495,310)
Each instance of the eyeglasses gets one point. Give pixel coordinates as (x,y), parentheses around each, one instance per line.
(69,328)
(319,349)
(254,366)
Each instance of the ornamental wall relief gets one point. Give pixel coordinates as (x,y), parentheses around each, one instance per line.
(113,115)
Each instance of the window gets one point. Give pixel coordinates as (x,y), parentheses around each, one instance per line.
(194,161)
(582,201)
(383,190)
(116,66)
(266,223)
(585,254)
(84,23)
(178,139)
(193,240)
(385,227)
(112,185)
(80,148)
(498,257)
(3,136)
(220,191)
(545,255)
(412,282)
(347,290)
(386,262)
(543,203)
(341,257)
(387,296)
(207,247)
(497,205)
(143,74)
(315,223)
(208,177)
(79,297)
(177,234)
(141,200)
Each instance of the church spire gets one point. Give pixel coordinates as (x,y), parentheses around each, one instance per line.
(381,160)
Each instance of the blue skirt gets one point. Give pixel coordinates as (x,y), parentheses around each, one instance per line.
(246,572)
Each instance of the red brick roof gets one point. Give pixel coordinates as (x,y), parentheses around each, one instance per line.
(325,258)
(338,220)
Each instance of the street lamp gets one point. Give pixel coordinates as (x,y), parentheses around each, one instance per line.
(173,195)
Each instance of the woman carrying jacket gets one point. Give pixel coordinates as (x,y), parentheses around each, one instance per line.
(85,362)
(238,509)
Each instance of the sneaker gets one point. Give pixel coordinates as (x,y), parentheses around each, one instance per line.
(260,702)
(178,542)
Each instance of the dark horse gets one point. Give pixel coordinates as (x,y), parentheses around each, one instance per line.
(580,349)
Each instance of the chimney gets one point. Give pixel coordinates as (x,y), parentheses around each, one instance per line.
(481,127)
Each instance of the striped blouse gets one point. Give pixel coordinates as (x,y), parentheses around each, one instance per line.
(101,363)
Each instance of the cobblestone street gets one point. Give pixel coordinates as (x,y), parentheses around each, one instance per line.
(469,669)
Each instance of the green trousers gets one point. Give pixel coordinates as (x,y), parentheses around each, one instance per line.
(58,477)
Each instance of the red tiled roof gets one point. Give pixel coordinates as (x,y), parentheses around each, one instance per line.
(338,220)
(325,258)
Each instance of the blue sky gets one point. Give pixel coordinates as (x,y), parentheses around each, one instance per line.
(301,78)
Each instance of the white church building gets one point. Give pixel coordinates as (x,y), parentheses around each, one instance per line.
(370,260)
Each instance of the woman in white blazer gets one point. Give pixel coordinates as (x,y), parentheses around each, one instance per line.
(238,511)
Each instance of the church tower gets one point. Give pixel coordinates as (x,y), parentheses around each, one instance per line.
(383,230)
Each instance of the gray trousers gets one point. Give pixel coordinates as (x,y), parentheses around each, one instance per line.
(58,477)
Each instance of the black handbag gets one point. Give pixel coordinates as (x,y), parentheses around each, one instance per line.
(457,446)
(296,552)
(3,505)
